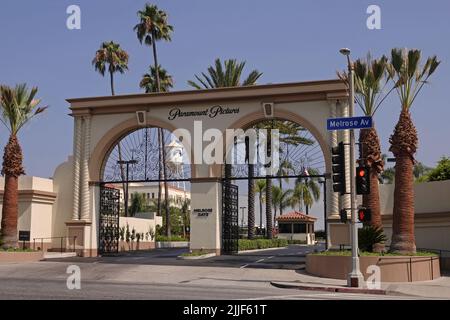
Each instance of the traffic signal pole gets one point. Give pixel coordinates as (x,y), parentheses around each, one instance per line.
(355,278)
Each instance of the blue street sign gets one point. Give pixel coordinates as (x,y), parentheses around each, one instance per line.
(349,123)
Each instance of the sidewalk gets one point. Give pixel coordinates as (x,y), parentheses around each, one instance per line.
(439,288)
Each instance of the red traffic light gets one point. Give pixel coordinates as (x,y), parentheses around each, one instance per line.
(364,214)
(362,172)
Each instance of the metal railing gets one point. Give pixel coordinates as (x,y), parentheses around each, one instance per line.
(62,247)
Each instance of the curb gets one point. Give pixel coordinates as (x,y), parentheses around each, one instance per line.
(260,250)
(329,289)
(204,256)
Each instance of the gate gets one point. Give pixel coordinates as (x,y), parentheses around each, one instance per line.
(109,220)
(230,226)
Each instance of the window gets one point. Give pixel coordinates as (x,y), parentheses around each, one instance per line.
(299,228)
(285,228)
(153,195)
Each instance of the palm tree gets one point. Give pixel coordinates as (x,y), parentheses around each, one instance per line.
(228,75)
(149,83)
(18,107)
(153,26)
(280,199)
(284,170)
(370,81)
(409,78)
(260,187)
(114,59)
(110,56)
(306,191)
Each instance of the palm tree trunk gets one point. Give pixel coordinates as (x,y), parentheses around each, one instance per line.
(12,169)
(371,154)
(10,212)
(403,146)
(112,82)
(281,188)
(159,173)
(251,203)
(260,210)
(155,58)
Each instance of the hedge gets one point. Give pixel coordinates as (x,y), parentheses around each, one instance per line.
(172,238)
(245,244)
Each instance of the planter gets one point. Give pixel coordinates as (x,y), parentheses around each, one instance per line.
(172,244)
(19,257)
(393,268)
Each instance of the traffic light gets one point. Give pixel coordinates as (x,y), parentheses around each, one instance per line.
(364,215)
(338,168)
(343,215)
(362,180)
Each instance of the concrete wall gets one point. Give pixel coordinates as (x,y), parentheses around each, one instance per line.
(432,213)
(36,199)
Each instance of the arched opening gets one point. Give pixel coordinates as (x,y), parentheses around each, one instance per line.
(144,181)
(296,180)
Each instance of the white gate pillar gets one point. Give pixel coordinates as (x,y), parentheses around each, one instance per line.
(206,215)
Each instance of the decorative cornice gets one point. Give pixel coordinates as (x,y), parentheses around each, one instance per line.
(34,195)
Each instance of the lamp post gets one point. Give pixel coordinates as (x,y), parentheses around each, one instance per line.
(127,163)
(355,278)
(324,182)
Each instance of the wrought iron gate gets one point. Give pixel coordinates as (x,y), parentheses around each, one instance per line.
(109,220)
(230,226)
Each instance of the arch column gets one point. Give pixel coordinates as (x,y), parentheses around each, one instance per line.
(332,197)
(85,195)
(76,168)
(345,137)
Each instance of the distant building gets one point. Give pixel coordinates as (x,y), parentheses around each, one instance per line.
(296,226)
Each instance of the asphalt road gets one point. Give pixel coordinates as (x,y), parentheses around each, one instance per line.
(159,275)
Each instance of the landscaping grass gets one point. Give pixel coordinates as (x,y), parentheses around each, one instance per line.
(348,253)
(172,238)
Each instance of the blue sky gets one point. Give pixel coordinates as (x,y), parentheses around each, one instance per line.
(286,40)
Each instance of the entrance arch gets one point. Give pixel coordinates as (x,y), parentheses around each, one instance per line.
(100,121)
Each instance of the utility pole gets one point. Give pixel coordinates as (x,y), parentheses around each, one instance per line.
(355,278)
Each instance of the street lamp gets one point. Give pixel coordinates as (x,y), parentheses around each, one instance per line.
(355,278)
(127,163)
(324,182)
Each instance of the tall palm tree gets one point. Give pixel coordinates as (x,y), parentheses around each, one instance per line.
(149,83)
(284,170)
(260,188)
(280,199)
(228,75)
(370,82)
(18,107)
(409,78)
(307,190)
(113,58)
(153,26)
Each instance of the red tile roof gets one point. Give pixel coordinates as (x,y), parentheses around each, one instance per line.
(296,216)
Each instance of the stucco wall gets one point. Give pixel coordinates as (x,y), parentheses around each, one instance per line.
(432,213)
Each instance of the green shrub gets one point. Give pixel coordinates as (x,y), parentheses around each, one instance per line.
(368,236)
(246,244)
(171,238)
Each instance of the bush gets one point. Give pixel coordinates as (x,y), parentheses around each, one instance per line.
(245,244)
(172,238)
(320,234)
(368,236)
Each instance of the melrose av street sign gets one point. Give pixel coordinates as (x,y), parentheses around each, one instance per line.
(349,123)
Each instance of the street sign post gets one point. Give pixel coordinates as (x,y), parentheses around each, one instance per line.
(349,123)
